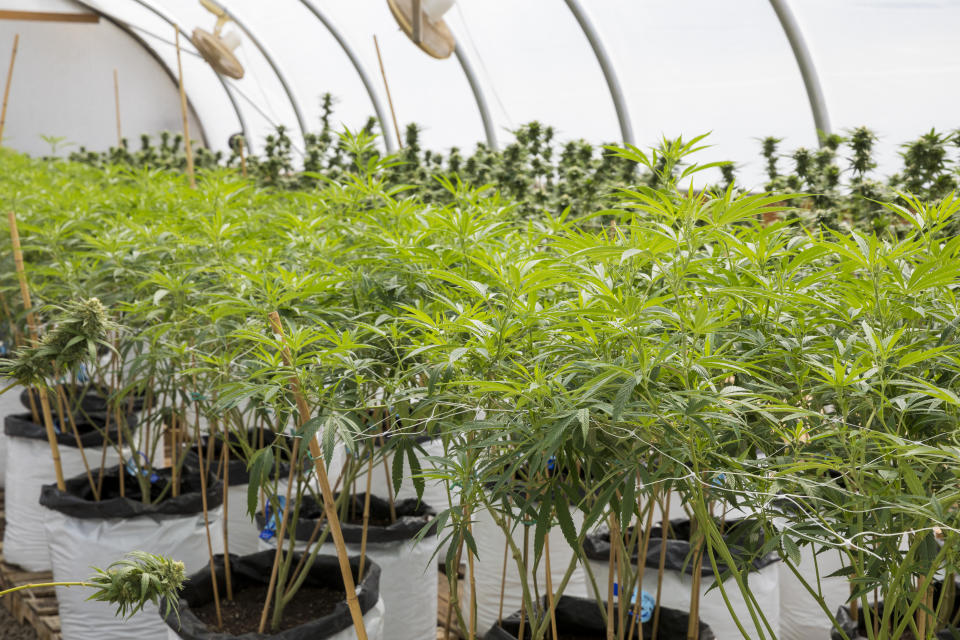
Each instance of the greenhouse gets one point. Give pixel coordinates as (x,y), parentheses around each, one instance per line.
(479,320)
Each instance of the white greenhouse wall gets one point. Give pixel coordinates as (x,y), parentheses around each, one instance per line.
(63,84)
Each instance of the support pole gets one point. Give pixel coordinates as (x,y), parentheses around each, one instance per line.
(808,71)
(360,69)
(386,85)
(478,96)
(6,88)
(35,338)
(606,65)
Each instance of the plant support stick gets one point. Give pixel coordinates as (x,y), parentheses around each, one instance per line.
(35,337)
(328,502)
(183,113)
(6,88)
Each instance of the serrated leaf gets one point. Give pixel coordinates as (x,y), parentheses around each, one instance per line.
(583,415)
(623,395)
(567,527)
(415,471)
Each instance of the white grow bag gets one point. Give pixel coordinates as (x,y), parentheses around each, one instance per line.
(408,579)
(174,528)
(677,584)
(9,403)
(29,466)
(801,616)
(488,569)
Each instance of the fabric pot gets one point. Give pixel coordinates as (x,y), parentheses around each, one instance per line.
(801,616)
(254,569)
(9,403)
(488,568)
(580,618)
(86,533)
(763,579)
(408,581)
(28,467)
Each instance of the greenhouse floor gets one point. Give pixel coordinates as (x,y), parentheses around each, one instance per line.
(33,615)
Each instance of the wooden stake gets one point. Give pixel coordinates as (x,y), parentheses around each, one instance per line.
(35,337)
(386,85)
(366,513)
(116,104)
(183,113)
(328,502)
(665,523)
(206,524)
(64,408)
(6,88)
(226,538)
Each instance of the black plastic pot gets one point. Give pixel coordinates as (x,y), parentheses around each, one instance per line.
(254,570)
(741,536)
(581,618)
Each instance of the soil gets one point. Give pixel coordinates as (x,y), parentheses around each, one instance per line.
(242,614)
(10,629)
(374,521)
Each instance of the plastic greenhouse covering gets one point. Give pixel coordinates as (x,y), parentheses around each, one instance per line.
(684,67)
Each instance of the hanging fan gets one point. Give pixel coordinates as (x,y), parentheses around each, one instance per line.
(422,21)
(217,48)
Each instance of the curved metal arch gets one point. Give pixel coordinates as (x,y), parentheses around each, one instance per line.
(226,88)
(361,71)
(808,71)
(606,65)
(153,54)
(478,96)
(276,70)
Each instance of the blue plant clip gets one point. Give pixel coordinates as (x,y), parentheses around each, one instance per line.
(82,375)
(551,463)
(647,603)
(132,469)
(719,480)
(270,528)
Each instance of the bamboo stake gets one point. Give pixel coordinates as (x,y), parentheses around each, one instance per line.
(280,534)
(503,579)
(183,113)
(62,409)
(116,104)
(35,337)
(366,513)
(551,605)
(641,565)
(612,575)
(226,506)
(6,88)
(206,525)
(665,523)
(386,85)
(328,502)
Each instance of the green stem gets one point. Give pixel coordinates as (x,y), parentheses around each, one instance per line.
(40,585)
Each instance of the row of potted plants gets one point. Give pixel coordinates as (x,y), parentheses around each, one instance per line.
(528,399)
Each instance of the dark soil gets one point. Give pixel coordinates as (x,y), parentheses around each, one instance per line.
(242,614)
(375,520)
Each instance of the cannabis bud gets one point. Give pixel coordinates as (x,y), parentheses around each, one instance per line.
(81,326)
(139,578)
